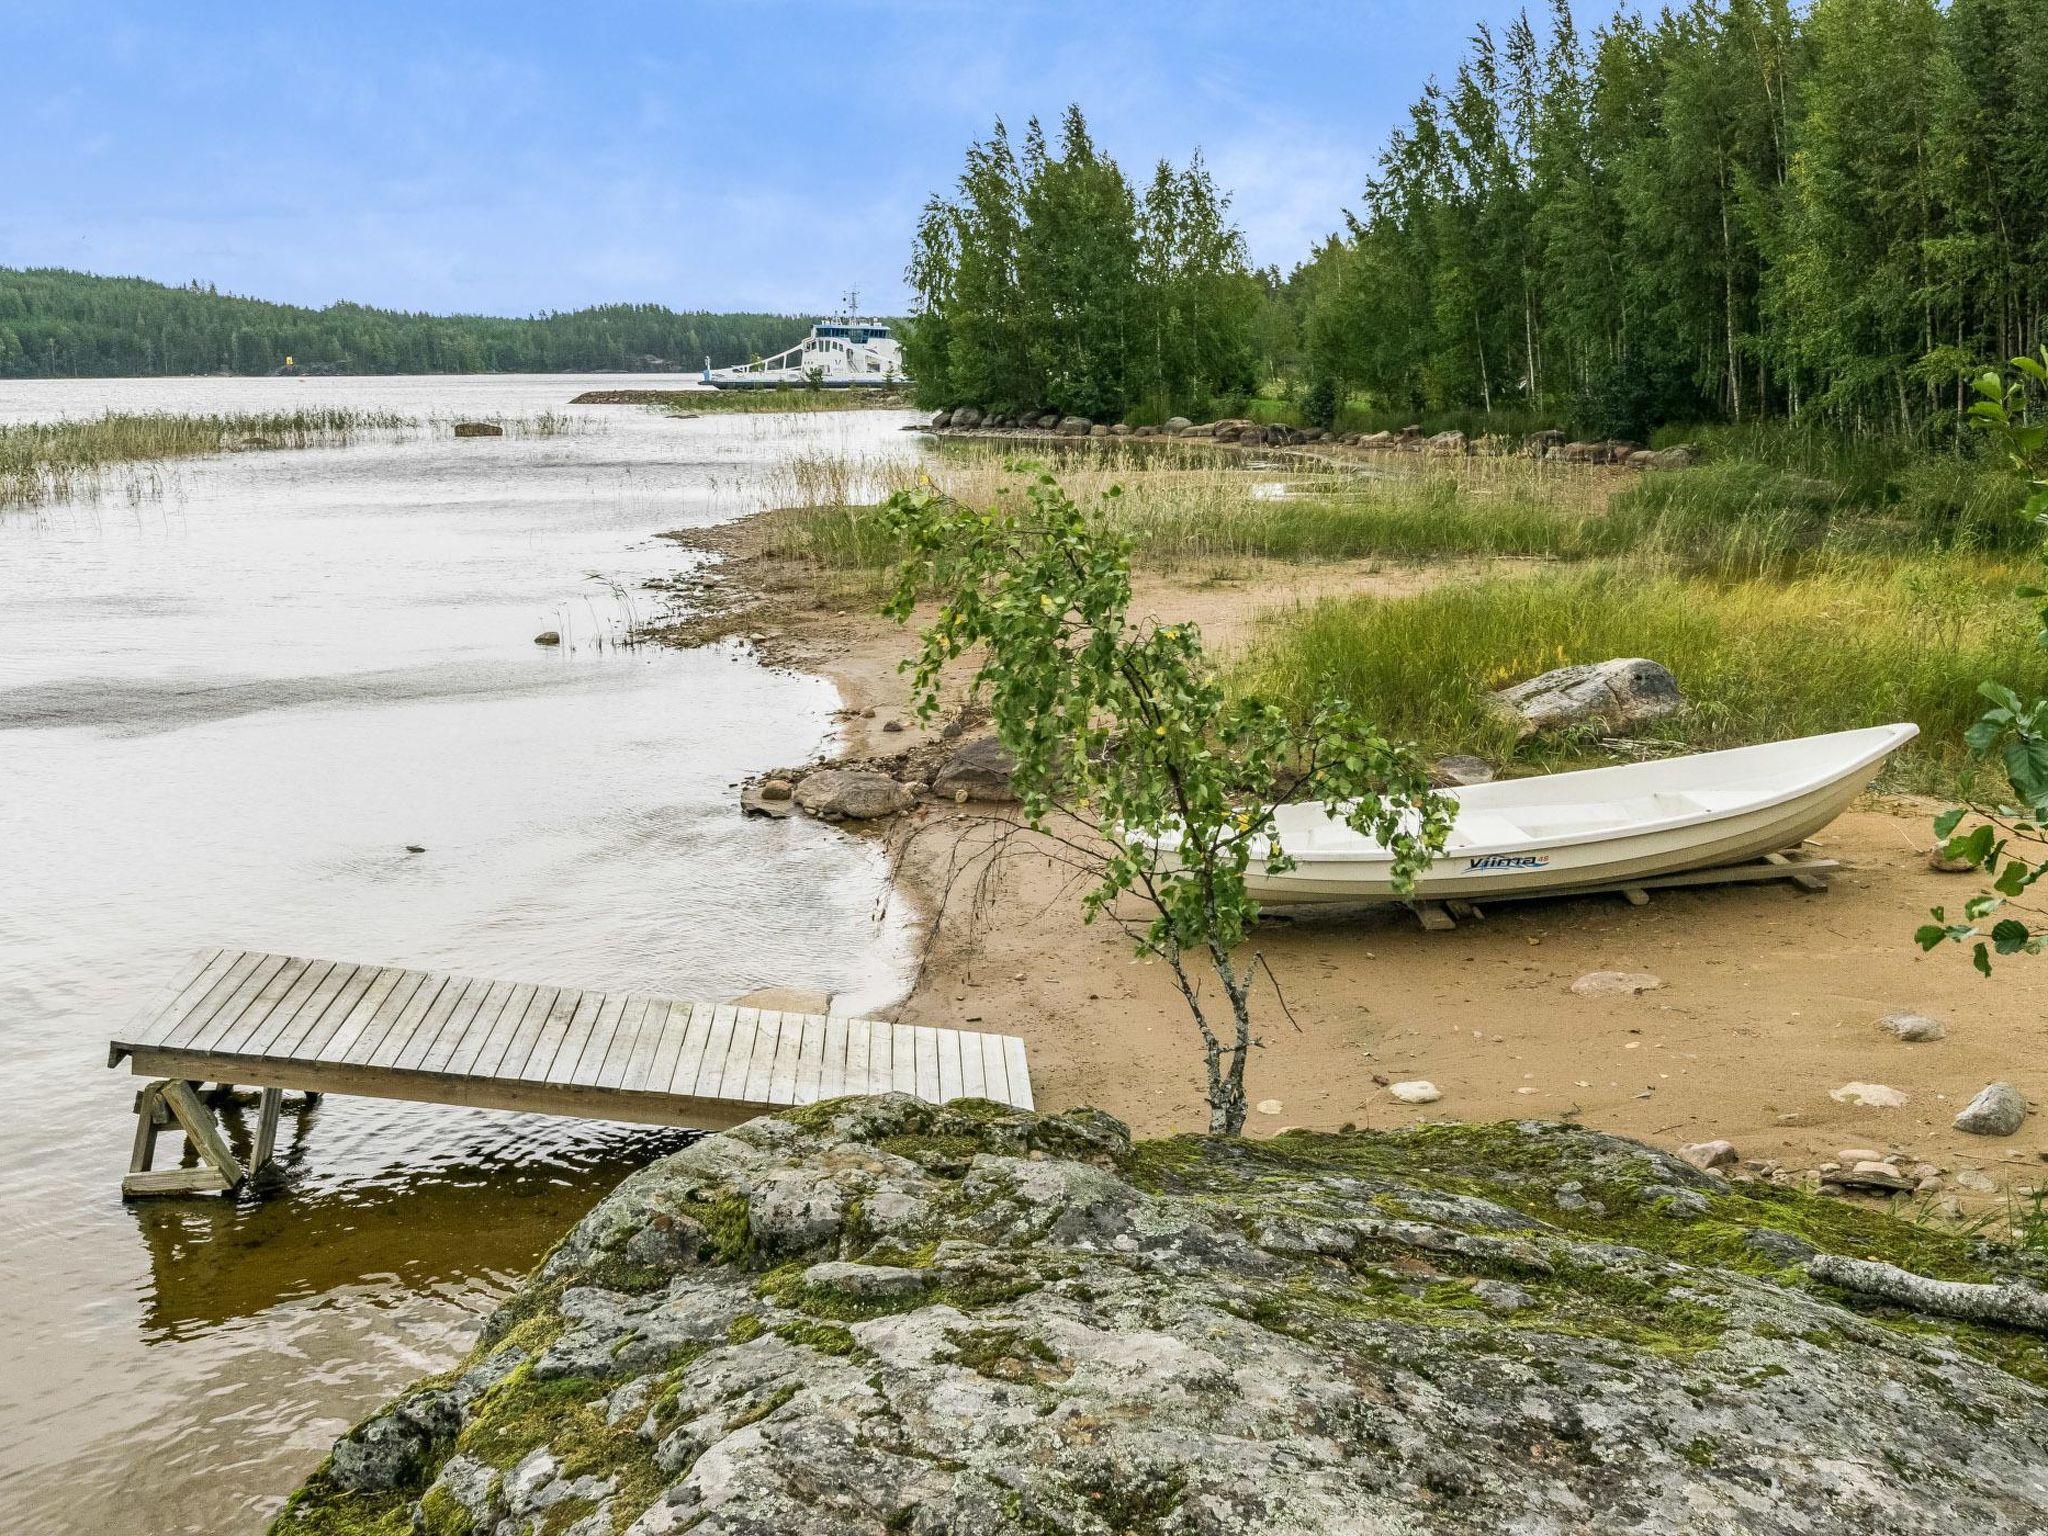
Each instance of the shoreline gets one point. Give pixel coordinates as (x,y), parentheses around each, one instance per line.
(1768,1003)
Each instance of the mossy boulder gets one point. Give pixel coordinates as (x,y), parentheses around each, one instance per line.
(877,1316)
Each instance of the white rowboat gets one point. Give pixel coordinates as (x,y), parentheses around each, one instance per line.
(1599,828)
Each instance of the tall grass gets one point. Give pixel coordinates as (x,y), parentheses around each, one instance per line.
(58,460)
(1182,503)
(1856,643)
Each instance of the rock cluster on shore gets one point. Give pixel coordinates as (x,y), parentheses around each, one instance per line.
(876,1315)
(1549,444)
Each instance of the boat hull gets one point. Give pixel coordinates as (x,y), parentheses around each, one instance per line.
(1594,865)
(1592,829)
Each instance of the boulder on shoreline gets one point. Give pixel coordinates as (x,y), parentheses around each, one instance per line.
(981,766)
(851,794)
(877,1314)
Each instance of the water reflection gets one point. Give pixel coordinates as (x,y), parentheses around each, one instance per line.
(480,1209)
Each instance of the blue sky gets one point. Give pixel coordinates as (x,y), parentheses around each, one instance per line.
(720,154)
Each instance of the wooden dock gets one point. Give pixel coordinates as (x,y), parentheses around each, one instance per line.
(279,1022)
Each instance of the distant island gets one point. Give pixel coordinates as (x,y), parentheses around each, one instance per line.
(56,323)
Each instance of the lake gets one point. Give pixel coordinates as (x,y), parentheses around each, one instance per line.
(227,706)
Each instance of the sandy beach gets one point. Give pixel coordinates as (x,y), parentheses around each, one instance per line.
(1769,1000)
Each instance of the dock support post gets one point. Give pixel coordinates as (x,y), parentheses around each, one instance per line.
(265,1149)
(218,1170)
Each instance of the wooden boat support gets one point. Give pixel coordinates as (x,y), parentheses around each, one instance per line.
(1805,870)
(280,1022)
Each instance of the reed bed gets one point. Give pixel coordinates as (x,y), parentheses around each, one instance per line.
(64,460)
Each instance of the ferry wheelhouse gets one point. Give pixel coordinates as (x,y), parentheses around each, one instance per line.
(844,351)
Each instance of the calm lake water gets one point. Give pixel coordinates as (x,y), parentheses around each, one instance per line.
(225,710)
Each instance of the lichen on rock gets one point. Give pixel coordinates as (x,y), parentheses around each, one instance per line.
(877,1315)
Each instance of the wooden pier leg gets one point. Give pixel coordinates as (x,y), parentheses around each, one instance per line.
(203,1131)
(153,1113)
(266,1130)
(149,1121)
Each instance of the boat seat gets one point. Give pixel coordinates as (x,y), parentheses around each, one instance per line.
(1484,829)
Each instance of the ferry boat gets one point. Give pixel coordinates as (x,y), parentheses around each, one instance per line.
(844,351)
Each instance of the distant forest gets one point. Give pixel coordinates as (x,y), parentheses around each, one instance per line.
(60,324)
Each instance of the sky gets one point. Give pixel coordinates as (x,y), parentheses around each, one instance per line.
(705,154)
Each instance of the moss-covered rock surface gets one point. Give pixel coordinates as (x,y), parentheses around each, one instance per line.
(879,1316)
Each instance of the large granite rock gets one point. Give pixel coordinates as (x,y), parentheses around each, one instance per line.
(851,794)
(981,766)
(874,1315)
(1617,696)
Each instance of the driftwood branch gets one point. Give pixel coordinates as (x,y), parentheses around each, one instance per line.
(2015,1306)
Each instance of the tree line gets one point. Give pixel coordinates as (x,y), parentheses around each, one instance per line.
(56,323)
(1048,281)
(1736,209)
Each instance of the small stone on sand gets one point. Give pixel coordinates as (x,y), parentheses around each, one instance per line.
(1616,983)
(1998,1110)
(1912,1027)
(1420,1091)
(1710,1154)
(1869,1095)
(1268,1106)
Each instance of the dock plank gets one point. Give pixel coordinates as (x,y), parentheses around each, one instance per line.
(995,1075)
(407,1054)
(832,1077)
(969,1044)
(903,1058)
(182,1027)
(810,1058)
(276,1022)
(398,1029)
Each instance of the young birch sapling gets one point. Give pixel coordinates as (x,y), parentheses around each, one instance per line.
(1132,762)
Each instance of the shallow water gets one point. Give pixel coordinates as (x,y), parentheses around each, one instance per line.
(225,710)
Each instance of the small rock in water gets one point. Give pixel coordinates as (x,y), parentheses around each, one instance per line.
(548,637)
(1616,983)
(1912,1027)
(415,848)
(1997,1111)
(478,429)
(1421,1091)
(1268,1106)
(1869,1095)
(777,789)
(1711,1154)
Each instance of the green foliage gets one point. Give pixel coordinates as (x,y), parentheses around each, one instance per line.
(1048,283)
(2009,832)
(1131,760)
(1735,208)
(61,324)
